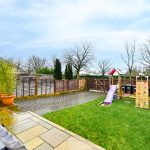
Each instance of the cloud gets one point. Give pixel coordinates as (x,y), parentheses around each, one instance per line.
(48,26)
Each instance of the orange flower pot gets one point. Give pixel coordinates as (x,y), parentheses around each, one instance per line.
(7,100)
(2,94)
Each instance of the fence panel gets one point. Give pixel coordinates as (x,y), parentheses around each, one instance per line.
(29,86)
(82,84)
(103,84)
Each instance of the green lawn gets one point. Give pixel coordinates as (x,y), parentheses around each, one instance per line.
(119,126)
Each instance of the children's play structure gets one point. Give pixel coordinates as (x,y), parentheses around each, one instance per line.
(110,95)
(142,99)
(113,88)
(117,90)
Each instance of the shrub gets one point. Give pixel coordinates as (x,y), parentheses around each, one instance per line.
(7,77)
(45,70)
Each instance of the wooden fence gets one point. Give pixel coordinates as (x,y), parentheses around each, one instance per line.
(103,84)
(30,86)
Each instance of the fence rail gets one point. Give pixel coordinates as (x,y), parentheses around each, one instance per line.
(30,86)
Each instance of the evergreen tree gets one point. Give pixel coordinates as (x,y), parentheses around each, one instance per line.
(68,71)
(57,70)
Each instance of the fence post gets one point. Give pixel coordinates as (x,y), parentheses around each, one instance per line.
(17,88)
(36,85)
(23,87)
(104,84)
(29,87)
(87,84)
(41,86)
(54,86)
(45,86)
(68,87)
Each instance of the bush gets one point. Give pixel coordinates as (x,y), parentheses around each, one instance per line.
(45,70)
(7,77)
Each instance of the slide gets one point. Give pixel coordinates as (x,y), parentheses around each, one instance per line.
(110,94)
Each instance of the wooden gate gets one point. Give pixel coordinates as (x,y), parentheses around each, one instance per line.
(101,85)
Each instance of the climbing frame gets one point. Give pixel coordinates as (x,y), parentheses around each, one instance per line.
(142,92)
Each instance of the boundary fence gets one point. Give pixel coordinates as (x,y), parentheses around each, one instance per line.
(30,86)
(103,84)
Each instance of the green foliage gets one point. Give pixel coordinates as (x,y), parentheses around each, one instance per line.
(68,71)
(57,70)
(7,77)
(118,126)
(45,70)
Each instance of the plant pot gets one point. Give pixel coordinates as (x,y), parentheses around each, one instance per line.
(7,100)
(1,95)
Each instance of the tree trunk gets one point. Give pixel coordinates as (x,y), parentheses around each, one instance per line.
(103,82)
(130,76)
(78,76)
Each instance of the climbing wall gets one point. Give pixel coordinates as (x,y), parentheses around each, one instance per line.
(142,92)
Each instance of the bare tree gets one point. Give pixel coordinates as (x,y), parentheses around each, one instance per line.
(10,60)
(19,64)
(145,54)
(104,66)
(34,63)
(80,56)
(129,57)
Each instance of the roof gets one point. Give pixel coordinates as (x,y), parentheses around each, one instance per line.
(114,71)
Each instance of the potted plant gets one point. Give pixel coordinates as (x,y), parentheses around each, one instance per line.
(7,82)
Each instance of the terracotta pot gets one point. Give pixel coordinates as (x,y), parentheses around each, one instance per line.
(2,94)
(7,100)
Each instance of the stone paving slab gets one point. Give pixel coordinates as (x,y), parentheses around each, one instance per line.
(44,124)
(45,135)
(23,125)
(34,143)
(44,105)
(73,144)
(31,133)
(44,146)
(54,137)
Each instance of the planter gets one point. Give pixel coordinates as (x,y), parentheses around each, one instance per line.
(7,100)
(1,95)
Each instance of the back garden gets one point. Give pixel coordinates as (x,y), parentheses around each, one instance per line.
(118,126)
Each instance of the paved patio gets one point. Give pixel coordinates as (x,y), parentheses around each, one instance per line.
(37,133)
(44,105)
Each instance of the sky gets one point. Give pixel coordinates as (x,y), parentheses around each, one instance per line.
(48,27)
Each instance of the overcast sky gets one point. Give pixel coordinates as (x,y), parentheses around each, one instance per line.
(47,27)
